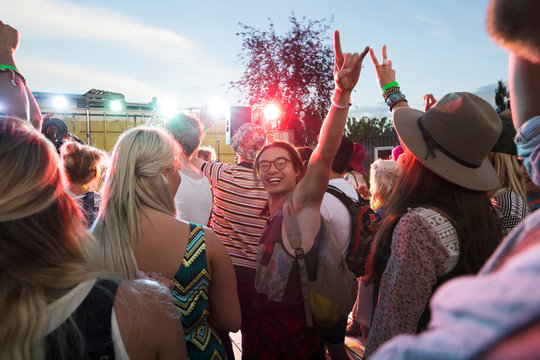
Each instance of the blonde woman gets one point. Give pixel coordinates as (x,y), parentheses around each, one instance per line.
(383,176)
(137,230)
(509,198)
(83,166)
(53,304)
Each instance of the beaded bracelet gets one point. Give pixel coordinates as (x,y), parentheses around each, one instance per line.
(390,91)
(394,99)
(13,73)
(342,107)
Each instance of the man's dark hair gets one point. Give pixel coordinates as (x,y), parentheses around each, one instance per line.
(343,156)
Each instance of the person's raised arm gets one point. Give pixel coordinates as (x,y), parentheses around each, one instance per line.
(15,97)
(524,84)
(386,76)
(310,190)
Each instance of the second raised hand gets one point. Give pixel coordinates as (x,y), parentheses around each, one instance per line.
(347,66)
(385,72)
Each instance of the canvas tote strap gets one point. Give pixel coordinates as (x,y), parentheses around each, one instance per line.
(295,240)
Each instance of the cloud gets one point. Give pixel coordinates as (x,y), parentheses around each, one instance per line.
(55,18)
(487,92)
(69,78)
(378,111)
(435,25)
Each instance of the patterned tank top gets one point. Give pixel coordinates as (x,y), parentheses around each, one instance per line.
(190,296)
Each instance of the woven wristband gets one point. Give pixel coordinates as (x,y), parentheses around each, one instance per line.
(9,67)
(390,84)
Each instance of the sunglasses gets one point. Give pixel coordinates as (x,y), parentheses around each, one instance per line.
(279,164)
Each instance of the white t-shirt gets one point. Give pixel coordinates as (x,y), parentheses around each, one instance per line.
(337,215)
(193,199)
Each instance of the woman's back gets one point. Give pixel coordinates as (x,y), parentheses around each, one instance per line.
(201,273)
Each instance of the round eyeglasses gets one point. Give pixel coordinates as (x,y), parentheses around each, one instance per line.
(279,164)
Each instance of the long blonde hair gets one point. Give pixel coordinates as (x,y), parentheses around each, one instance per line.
(383,176)
(134,180)
(509,173)
(42,238)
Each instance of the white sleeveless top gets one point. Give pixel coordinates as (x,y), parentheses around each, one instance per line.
(193,200)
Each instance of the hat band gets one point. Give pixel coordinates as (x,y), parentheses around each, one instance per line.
(432,145)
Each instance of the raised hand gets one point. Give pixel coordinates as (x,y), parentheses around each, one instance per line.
(206,118)
(9,39)
(430,101)
(347,66)
(385,73)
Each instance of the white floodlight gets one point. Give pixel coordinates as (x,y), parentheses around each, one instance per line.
(60,102)
(116,105)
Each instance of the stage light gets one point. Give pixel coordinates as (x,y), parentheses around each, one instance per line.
(218,109)
(116,105)
(60,102)
(167,108)
(272,112)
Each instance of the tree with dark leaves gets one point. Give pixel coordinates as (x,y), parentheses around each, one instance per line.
(365,127)
(502,98)
(293,70)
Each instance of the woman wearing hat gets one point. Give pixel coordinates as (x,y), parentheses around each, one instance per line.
(509,199)
(356,174)
(440,222)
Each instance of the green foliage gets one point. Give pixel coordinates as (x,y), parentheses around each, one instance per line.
(364,127)
(294,69)
(502,98)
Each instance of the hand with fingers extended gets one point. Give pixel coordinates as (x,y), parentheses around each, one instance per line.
(206,118)
(347,66)
(9,39)
(385,73)
(429,101)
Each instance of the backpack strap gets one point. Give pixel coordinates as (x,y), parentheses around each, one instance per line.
(347,201)
(295,240)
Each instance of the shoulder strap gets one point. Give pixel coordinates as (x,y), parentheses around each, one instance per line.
(347,201)
(295,239)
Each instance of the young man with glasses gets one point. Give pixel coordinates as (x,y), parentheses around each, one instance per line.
(279,328)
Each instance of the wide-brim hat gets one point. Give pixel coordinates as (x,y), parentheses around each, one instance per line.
(453,139)
(358,157)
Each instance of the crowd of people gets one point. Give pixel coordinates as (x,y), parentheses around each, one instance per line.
(159,251)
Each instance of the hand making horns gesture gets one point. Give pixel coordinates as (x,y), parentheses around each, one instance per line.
(346,66)
(385,73)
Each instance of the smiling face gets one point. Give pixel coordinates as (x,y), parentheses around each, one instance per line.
(278,183)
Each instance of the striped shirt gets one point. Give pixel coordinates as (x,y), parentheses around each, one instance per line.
(239,201)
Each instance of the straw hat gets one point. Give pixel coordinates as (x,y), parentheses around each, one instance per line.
(453,139)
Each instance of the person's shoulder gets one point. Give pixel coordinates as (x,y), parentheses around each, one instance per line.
(345,187)
(414,218)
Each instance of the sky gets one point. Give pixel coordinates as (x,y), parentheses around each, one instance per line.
(186,52)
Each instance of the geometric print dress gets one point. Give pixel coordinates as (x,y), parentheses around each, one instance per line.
(190,296)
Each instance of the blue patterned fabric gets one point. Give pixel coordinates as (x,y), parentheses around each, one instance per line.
(190,296)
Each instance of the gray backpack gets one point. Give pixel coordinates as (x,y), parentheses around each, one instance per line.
(333,293)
